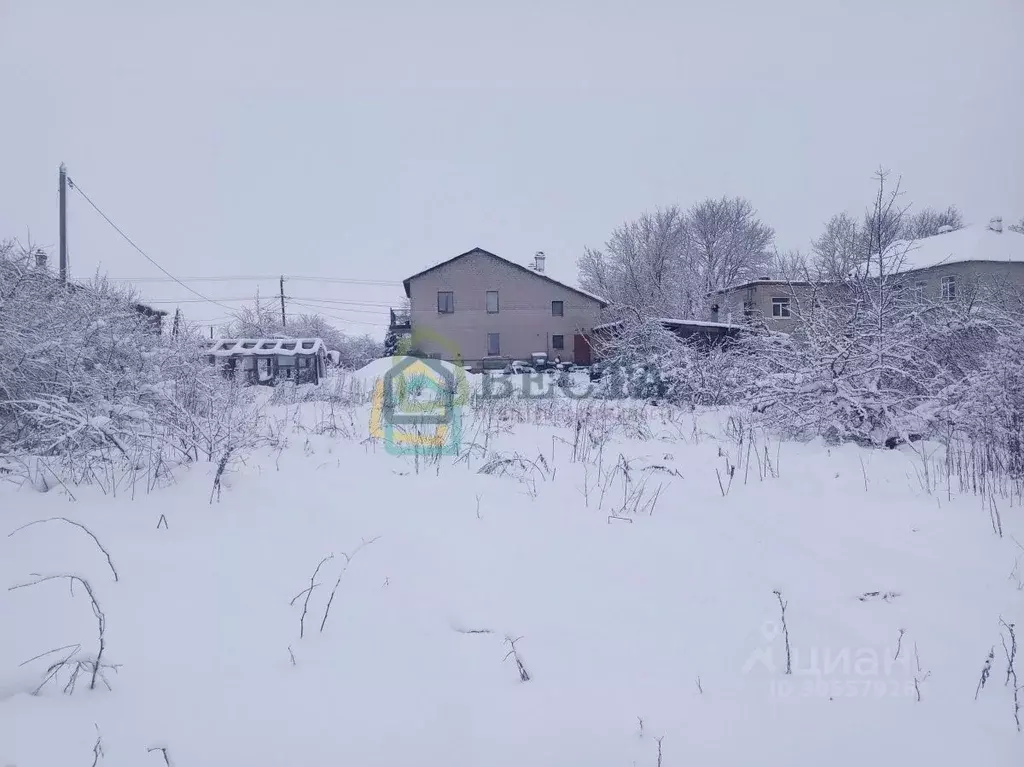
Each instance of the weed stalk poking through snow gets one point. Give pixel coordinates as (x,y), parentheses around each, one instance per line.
(1010,648)
(163,752)
(221,467)
(919,677)
(80,526)
(101,623)
(524,675)
(307,592)
(97,749)
(986,669)
(337,583)
(785,631)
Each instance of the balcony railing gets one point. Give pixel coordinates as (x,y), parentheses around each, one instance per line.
(400,319)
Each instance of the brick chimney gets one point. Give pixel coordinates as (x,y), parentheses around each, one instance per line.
(538,261)
(40,258)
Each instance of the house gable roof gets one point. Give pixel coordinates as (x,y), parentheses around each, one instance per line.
(265,347)
(758,283)
(968,244)
(480,251)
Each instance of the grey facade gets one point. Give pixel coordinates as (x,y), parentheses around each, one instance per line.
(775,303)
(485,310)
(969,265)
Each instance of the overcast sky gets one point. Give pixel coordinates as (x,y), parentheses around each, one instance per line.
(235,137)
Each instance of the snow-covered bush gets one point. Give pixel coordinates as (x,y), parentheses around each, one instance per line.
(853,371)
(981,417)
(87,381)
(868,362)
(644,360)
(697,374)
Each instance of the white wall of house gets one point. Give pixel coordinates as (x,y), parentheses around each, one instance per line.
(523,323)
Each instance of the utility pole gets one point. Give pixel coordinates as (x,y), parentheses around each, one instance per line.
(63,223)
(284,319)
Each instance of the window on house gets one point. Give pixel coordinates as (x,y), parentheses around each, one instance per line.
(493,344)
(445,302)
(492,302)
(557,309)
(948,288)
(557,342)
(918,291)
(780,307)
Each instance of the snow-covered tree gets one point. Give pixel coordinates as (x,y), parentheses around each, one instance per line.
(665,263)
(859,367)
(86,378)
(727,244)
(642,265)
(261,320)
(839,249)
(390,343)
(928,221)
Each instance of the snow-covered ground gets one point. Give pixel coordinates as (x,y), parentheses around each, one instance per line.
(637,580)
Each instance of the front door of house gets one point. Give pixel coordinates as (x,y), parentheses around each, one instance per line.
(580,350)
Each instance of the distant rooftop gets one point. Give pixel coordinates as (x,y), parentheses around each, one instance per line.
(264,347)
(481,251)
(972,243)
(976,242)
(670,322)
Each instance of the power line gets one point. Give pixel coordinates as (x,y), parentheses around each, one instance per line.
(129,240)
(380,324)
(331,301)
(335,308)
(197,300)
(259,277)
(344,301)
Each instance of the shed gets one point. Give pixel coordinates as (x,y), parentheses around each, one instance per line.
(269,360)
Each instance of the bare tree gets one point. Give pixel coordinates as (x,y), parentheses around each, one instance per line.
(928,222)
(641,265)
(883,226)
(1018,227)
(793,265)
(258,320)
(263,320)
(727,243)
(838,250)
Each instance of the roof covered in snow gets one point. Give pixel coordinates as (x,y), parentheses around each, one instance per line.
(761,281)
(480,251)
(972,243)
(269,347)
(670,322)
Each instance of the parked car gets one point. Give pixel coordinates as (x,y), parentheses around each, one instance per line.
(637,380)
(518,367)
(597,370)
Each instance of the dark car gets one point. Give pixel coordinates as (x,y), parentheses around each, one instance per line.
(597,370)
(636,380)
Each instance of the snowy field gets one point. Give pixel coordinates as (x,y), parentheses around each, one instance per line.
(585,584)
